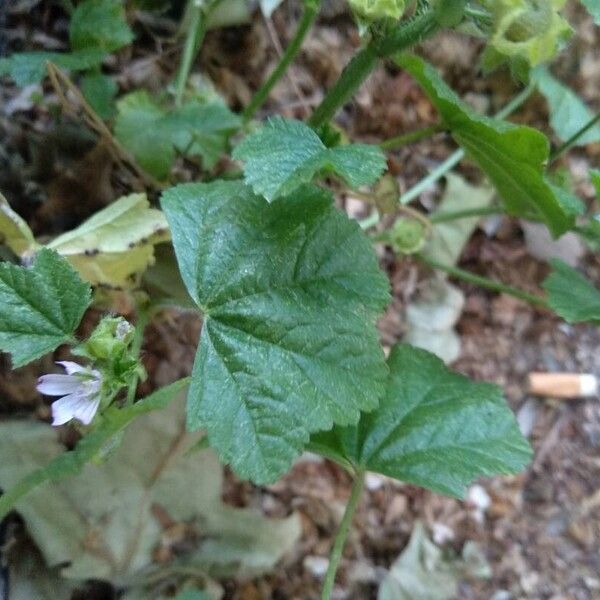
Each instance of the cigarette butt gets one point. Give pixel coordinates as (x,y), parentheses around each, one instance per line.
(563,385)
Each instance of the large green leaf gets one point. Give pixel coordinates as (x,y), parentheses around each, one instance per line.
(284,154)
(513,157)
(571,295)
(99,24)
(41,306)
(568,113)
(290,292)
(26,68)
(152,133)
(433,428)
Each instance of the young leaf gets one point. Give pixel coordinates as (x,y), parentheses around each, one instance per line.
(284,154)
(14,231)
(100,92)
(568,113)
(26,68)
(41,306)
(99,24)
(571,295)
(433,428)
(116,244)
(152,133)
(290,292)
(513,157)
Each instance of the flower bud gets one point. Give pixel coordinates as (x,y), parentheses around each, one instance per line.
(527,30)
(407,236)
(374,10)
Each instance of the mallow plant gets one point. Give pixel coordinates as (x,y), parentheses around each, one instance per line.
(288,286)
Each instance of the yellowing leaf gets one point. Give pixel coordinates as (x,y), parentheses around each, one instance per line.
(117,244)
(14,231)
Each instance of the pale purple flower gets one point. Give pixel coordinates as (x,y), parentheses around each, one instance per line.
(80,389)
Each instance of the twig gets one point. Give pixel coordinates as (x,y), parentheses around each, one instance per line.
(60,81)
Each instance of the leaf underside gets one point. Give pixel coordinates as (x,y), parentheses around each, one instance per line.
(513,157)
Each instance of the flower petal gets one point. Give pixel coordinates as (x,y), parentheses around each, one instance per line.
(75,406)
(72,367)
(86,410)
(58,385)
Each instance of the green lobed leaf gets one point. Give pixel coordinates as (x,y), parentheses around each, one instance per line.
(42,306)
(593,7)
(99,24)
(513,157)
(114,421)
(284,154)
(290,292)
(568,113)
(433,428)
(152,133)
(571,295)
(100,92)
(26,68)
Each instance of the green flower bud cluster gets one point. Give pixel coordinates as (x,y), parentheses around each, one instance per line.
(529,31)
(109,349)
(375,10)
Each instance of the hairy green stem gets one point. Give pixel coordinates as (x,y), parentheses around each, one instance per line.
(356,71)
(196,30)
(342,534)
(573,139)
(136,348)
(484,282)
(455,215)
(411,137)
(311,10)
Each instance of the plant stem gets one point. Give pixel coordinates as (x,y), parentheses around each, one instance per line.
(311,10)
(136,347)
(455,215)
(357,70)
(342,534)
(195,34)
(573,139)
(458,155)
(411,137)
(484,282)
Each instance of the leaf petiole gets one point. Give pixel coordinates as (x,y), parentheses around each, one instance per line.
(411,137)
(484,282)
(342,534)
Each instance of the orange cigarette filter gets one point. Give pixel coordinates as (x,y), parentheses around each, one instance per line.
(563,385)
